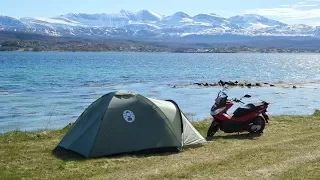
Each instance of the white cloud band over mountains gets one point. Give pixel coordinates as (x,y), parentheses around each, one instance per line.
(307,12)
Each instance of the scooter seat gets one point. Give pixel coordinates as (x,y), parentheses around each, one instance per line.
(242,111)
(258,104)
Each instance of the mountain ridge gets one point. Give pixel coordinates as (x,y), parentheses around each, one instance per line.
(148,24)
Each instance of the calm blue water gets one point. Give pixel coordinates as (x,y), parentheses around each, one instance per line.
(49,90)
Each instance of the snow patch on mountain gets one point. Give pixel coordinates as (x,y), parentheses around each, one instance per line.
(259,25)
(49,21)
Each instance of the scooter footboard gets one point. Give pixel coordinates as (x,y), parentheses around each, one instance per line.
(233,126)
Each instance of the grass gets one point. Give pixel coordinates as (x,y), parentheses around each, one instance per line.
(288,149)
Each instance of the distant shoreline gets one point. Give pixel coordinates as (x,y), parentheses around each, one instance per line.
(16,42)
(242,52)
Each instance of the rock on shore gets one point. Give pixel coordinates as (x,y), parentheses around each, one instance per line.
(234,84)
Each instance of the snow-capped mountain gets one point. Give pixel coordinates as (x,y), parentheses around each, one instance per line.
(210,19)
(144,23)
(178,19)
(254,21)
(11,24)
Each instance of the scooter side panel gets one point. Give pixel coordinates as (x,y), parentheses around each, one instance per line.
(246,117)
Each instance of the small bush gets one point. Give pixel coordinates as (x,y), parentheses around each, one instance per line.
(316,113)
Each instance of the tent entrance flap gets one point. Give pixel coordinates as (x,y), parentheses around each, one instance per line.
(178,108)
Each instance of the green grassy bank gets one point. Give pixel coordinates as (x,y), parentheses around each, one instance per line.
(288,149)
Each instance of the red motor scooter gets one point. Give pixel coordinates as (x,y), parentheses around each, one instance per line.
(251,117)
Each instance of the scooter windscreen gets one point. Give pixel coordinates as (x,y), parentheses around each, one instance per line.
(221,99)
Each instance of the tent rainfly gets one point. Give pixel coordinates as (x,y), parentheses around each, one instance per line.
(121,122)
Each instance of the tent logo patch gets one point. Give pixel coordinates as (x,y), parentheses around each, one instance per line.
(128,116)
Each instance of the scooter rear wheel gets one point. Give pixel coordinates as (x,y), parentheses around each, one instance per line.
(212,130)
(258,125)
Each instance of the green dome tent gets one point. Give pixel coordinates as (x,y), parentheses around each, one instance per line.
(121,122)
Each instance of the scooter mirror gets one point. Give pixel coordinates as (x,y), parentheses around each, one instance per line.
(247,96)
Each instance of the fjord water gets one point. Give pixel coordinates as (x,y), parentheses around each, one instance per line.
(51,89)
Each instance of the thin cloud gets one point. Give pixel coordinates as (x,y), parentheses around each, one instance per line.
(289,13)
(304,10)
(300,5)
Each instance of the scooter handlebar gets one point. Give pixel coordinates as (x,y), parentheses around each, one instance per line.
(237,100)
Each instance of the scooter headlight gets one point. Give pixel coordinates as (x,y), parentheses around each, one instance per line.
(217,111)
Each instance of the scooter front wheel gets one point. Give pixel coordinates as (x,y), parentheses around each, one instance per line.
(213,129)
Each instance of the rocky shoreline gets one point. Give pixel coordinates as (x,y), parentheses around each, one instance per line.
(244,84)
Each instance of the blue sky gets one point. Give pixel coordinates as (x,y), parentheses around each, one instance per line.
(289,11)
